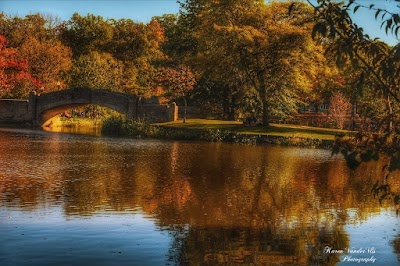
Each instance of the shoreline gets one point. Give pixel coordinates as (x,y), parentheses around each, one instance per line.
(130,129)
(251,139)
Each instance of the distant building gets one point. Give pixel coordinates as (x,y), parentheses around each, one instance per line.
(314,107)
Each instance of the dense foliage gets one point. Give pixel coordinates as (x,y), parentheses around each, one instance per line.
(237,58)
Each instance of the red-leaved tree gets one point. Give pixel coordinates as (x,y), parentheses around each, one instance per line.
(178,82)
(15,79)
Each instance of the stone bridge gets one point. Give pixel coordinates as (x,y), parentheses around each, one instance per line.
(40,109)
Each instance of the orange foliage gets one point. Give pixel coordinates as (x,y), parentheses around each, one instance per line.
(155,33)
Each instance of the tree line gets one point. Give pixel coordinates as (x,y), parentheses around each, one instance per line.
(233,58)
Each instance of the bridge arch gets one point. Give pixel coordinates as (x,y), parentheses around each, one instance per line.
(49,105)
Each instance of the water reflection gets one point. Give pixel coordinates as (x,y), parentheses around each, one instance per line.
(82,130)
(219,203)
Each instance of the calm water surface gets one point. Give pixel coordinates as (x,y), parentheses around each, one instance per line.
(84,200)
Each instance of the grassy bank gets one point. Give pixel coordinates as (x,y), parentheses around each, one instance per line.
(76,122)
(228,131)
(280,130)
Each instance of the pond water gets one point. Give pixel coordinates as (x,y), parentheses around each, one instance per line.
(68,199)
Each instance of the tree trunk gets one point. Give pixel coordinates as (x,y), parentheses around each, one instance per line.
(353,116)
(229,104)
(265,118)
(390,117)
(263,95)
(232,108)
(231,115)
(227,108)
(184,110)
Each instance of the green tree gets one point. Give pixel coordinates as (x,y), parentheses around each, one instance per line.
(86,34)
(172,33)
(180,34)
(96,71)
(128,41)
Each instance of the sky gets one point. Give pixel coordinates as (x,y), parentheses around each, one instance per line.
(137,10)
(143,11)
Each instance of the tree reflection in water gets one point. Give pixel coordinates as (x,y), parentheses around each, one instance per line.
(221,203)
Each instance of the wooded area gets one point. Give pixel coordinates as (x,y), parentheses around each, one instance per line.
(235,59)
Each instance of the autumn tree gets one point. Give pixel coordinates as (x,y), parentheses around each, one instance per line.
(49,62)
(138,46)
(15,79)
(250,44)
(36,37)
(339,109)
(178,82)
(17,30)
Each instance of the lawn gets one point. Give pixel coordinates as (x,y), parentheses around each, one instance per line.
(284,130)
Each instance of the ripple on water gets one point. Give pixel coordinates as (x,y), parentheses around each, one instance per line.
(69,199)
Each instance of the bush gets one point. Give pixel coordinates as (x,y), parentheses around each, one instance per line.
(113,126)
(119,126)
